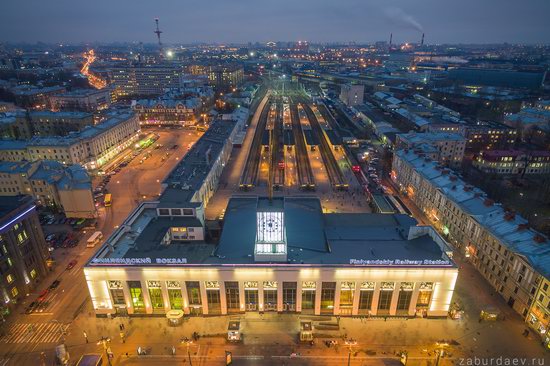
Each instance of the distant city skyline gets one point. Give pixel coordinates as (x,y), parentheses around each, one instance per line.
(241,21)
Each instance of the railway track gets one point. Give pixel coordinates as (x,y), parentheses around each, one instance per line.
(303,166)
(335,175)
(250,172)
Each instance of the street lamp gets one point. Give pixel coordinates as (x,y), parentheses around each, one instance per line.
(188,342)
(105,342)
(350,343)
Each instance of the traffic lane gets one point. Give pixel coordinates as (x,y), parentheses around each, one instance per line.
(259,360)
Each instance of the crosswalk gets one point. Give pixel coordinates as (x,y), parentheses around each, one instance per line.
(34,333)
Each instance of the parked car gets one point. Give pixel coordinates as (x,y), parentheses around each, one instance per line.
(54,285)
(31,307)
(42,295)
(71,264)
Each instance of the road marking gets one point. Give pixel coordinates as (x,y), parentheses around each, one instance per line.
(41,333)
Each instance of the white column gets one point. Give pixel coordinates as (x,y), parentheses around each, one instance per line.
(318,286)
(299,296)
(356,295)
(204,298)
(241,297)
(394,298)
(414,299)
(279,296)
(127,297)
(337,290)
(223,298)
(260,296)
(185,297)
(375,298)
(146,298)
(165,297)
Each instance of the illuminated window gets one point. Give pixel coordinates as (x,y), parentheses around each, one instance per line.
(10,262)
(33,273)
(10,278)
(14,292)
(22,236)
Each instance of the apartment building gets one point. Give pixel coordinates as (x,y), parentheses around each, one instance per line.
(91,147)
(352,95)
(86,100)
(47,123)
(513,258)
(23,251)
(451,146)
(51,184)
(225,78)
(513,162)
(168,111)
(144,80)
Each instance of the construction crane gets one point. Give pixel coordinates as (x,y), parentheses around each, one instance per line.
(158,32)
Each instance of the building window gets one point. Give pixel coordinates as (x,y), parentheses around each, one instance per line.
(213,300)
(22,236)
(328,290)
(9,278)
(118,296)
(384,300)
(365,301)
(136,294)
(14,292)
(176,299)
(232,296)
(156,298)
(404,300)
(270,299)
(346,297)
(308,297)
(289,296)
(424,298)
(251,298)
(33,273)
(193,292)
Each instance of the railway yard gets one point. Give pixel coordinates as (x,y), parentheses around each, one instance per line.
(292,147)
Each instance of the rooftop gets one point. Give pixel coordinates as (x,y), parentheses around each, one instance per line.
(189,175)
(313,238)
(510,229)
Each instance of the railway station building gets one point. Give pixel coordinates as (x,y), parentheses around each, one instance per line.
(279,255)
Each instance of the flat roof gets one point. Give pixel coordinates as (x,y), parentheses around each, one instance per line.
(509,229)
(189,175)
(313,238)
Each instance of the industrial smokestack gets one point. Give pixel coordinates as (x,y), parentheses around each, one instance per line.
(391,37)
(422,42)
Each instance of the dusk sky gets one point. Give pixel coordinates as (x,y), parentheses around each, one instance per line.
(184,21)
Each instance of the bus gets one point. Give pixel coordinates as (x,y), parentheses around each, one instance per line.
(107,200)
(90,359)
(94,239)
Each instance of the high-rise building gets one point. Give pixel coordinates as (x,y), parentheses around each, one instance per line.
(23,250)
(225,78)
(144,80)
(352,95)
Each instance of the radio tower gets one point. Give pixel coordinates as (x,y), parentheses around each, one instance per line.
(158,32)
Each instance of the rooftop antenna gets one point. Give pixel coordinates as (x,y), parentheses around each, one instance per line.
(158,32)
(422,42)
(391,37)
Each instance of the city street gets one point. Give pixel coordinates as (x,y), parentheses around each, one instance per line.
(137,182)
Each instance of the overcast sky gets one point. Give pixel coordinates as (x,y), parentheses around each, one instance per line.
(184,21)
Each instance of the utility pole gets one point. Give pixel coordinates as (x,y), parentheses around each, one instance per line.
(158,32)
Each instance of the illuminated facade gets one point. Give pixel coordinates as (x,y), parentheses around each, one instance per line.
(92,147)
(513,258)
(23,250)
(313,263)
